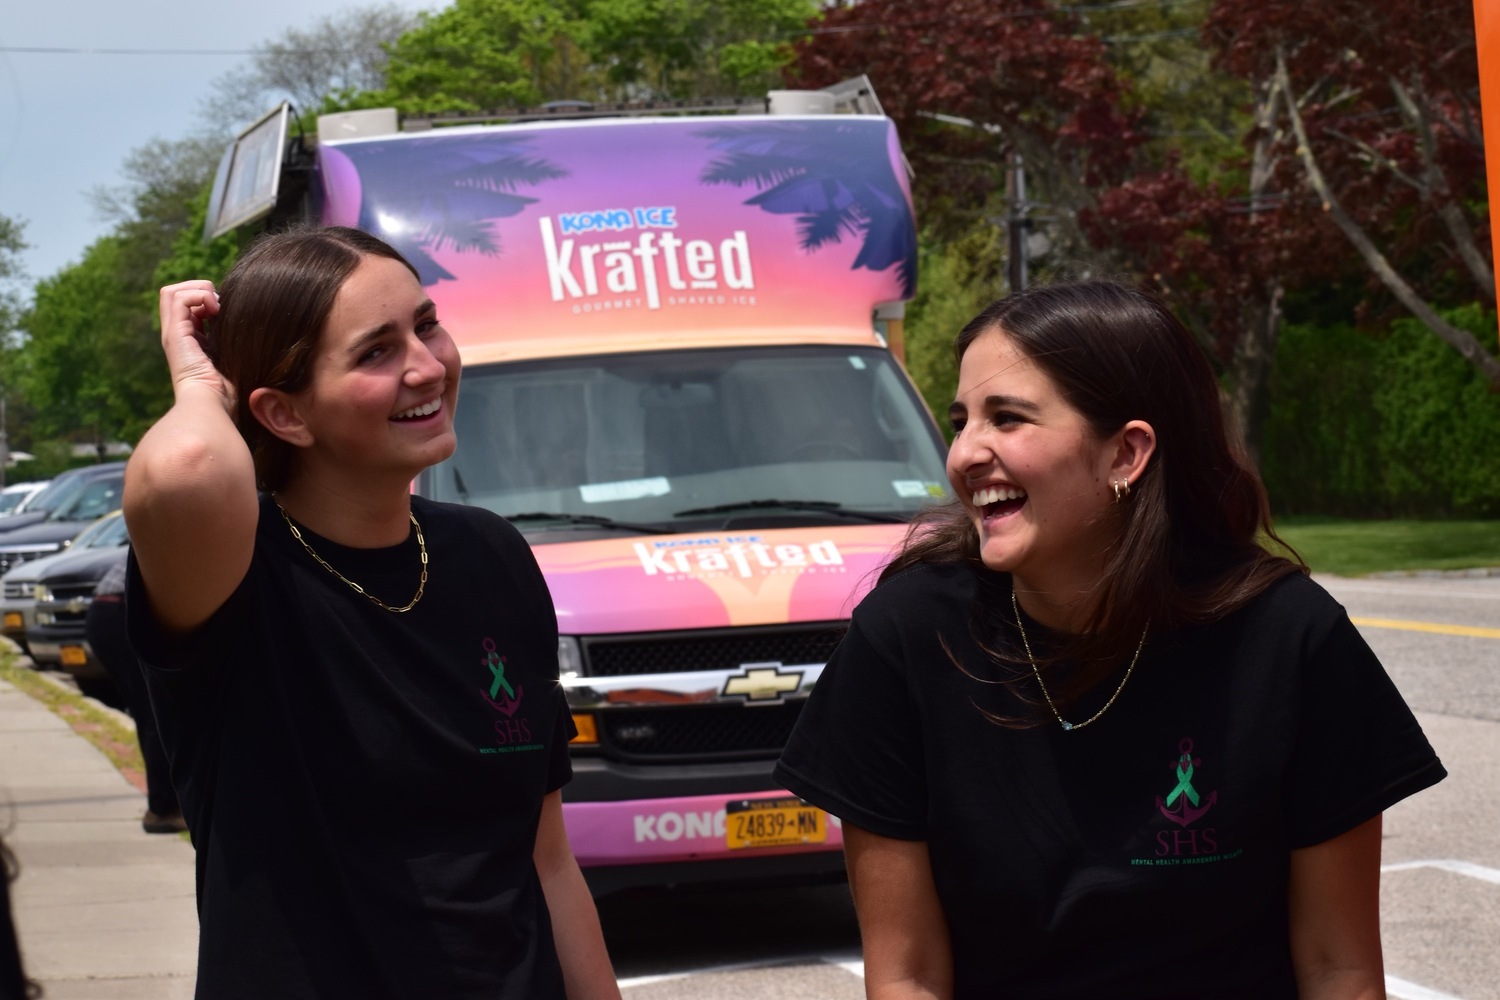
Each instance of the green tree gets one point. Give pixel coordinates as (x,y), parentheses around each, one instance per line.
(478,55)
(1193,113)
(481,54)
(87,368)
(959,278)
(190,257)
(12,273)
(92,363)
(677,49)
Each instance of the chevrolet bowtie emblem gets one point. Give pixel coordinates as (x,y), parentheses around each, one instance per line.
(762,683)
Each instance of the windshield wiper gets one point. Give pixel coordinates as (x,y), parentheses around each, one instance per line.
(829,507)
(590,520)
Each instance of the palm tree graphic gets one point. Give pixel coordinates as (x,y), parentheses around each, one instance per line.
(837,179)
(425,195)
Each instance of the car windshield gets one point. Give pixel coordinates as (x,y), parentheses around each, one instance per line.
(97,497)
(11,499)
(56,493)
(683,440)
(104,533)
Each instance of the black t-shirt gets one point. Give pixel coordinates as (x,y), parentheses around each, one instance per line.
(363,787)
(12,979)
(1145,855)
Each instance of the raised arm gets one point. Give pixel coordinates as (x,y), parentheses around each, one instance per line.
(904,934)
(190,499)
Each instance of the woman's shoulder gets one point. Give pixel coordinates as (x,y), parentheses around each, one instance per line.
(926,585)
(465,519)
(1296,595)
(1294,609)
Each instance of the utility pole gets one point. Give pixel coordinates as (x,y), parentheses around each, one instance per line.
(1017,224)
(1018,220)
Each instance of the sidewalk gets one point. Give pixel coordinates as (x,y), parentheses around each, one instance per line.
(103,909)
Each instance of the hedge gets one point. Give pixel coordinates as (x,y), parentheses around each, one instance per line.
(1382,425)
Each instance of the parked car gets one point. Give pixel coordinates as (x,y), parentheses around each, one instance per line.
(14,497)
(18,586)
(62,490)
(64,589)
(98,494)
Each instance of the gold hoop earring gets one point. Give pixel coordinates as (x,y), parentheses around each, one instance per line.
(1122,488)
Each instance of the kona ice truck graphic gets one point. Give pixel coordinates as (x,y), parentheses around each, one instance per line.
(674,386)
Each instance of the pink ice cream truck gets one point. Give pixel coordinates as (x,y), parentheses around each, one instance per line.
(675,386)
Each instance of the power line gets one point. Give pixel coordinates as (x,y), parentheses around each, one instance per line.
(49,50)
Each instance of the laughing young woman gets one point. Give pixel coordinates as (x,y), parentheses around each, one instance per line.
(1087,737)
(357,687)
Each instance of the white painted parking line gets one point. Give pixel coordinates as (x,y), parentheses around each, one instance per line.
(1400,989)
(1456,867)
(1395,987)
(845,960)
(849,963)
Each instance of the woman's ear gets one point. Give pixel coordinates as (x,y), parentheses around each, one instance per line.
(1134,445)
(277,412)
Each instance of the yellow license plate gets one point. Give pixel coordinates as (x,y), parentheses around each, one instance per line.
(73,656)
(13,619)
(751,823)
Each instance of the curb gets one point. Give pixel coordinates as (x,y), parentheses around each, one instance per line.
(55,679)
(1477,573)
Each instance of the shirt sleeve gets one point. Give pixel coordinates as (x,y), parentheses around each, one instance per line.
(1358,748)
(560,767)
(168,652)
(856,750)
(514,553)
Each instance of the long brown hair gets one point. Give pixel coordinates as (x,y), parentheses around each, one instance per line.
(273,306)
(1189,538)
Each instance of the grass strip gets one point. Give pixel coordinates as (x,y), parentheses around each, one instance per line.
(1359,548)
(112,738)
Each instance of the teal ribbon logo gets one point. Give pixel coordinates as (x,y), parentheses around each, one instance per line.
(1184,781)
(1189,805)
(497,671)
(496,665)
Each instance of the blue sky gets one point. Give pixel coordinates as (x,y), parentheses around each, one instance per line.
(69,118)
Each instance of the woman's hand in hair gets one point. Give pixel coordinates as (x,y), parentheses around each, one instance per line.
(185,309)
(190,499)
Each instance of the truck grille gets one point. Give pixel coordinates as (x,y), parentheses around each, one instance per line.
(715,649)
(697,732)
(10,560)
(723,731)
(68,591)
(18,590)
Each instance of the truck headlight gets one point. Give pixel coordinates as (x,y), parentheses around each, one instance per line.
(569,658)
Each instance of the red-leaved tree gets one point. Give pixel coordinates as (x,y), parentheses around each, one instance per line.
(1374,114)
(1022,74)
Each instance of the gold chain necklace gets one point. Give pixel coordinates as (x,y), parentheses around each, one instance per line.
(1065,723)
(421,544)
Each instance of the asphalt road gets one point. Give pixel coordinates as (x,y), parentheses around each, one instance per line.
(1439,638)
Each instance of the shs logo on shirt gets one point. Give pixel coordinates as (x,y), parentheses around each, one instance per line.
(1189,835)
(511,729)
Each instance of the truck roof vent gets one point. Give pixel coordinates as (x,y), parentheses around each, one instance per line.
(357,124)
(800,102)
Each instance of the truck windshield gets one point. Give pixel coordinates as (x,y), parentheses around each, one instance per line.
(685,440)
